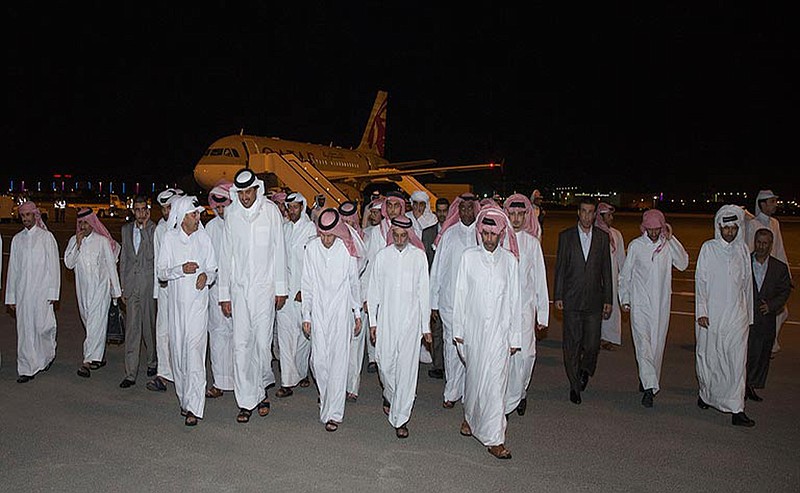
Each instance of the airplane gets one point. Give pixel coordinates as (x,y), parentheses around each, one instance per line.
(318,170)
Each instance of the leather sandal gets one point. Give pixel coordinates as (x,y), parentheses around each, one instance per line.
(263,407)
(499,451)
(465,429)
(244,415)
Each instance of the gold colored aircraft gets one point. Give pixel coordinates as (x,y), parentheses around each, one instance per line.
(336,173)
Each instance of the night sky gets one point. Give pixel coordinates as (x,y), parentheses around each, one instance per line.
(630,97)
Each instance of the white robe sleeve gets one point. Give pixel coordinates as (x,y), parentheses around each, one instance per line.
(12,274)
(515,332)
(701,285)
(356,300)
(167,272)
(279,255)
(542,297)
(459,300)
(436,278)
(421,291)
(375,294)
(72,253)
(110,264)
(52,268)
(307,286)
(224,265)
(211,266)
(680,258)
(625,279)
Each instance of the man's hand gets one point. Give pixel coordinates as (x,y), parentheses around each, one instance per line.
(280,301)
(307,329)
(458,340)
(298,297)
(79,236)
(124,299)
(373,333)
(428,338)
(606,311)
(190,267)
(703,322)
(225,306)
(668,233)
(514,350)
(559,304)
(626,308)
(13,308)
(201,281)
(365,308)
(358,326)
(763,307)
(435,316)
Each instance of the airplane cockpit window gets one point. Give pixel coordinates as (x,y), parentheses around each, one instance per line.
(226,152)
(235,152)
(216,152)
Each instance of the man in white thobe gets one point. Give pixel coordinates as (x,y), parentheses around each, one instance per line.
(457,235)
(535,311)
(164,371)
(486,327)
(252,286)
(33,283)
(422,218)
(645,291)
(400,305)
(188,264)
(331,311)
(298,230)
(92,253)
(724,313)
(611,327)
(220,327)
(766,205)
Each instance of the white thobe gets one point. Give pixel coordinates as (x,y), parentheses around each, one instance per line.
(96,282)
(486,316)
(331,301)
(443,280)
(33,281)
(252,272)
(373,241)
(400,303)
(295,348)
(1,276)
(645,283)
(724,294)
(162,312)
(220,327)
(535,310)
(188,312)
(611,329)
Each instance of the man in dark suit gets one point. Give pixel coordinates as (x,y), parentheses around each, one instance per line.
(428,237)
(771,288)
(136,265)
(583,290)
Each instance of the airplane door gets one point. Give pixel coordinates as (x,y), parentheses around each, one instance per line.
(250,147)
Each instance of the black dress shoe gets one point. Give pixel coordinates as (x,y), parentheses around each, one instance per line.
(126,383)
(575,396)
(647,398)
(750,393)
(701,404)
(741,419)
(584,380)
(151,372)
(523,405)
(24,378)
(437,374)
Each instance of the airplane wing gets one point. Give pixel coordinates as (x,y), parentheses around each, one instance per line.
(395,174)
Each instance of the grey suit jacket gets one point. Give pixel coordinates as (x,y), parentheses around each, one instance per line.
(136,269)
(428,236)
(583,284)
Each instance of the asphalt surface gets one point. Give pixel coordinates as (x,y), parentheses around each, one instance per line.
(64,433)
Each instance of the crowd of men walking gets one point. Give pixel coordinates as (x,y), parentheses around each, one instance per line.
(462,286)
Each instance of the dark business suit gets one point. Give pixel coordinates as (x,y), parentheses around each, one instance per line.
(437,351)
(583,286)
(775,291)
(136,274)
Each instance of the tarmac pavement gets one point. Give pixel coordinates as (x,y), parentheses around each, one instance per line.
(64,433)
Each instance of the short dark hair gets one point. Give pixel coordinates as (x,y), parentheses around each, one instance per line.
(140,199)
(765,232)
(585,199)
(442,201)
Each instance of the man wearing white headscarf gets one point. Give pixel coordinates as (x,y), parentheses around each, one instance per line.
(611,327)
(188,264)
(535,301)
(400,305)
(766,205)
(331,311)
(724,313)
(420,214)
(164,372)
(33,283)
(298,231)
(92,253)
(457,235)
(252,286)
(220,327)
(645,290)
(486,327)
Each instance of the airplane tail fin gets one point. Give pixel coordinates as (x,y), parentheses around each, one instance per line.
(374,139)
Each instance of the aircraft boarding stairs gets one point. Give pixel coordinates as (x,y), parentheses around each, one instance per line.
(297,175)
